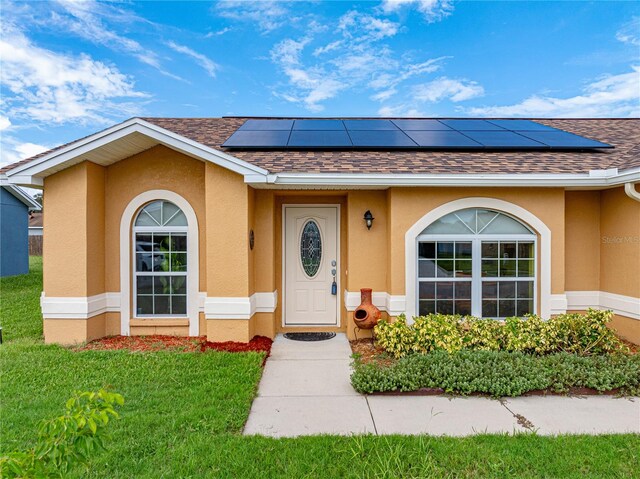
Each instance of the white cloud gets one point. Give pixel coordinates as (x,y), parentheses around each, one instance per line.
(400,111)
(630,32)
(51,87)
(365,27)
(218,33)
(206,63)
(432,10)
(4,122)
(447,88)
(13,150)
(267,14)
(610,96)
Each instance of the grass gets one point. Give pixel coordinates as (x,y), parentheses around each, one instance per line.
(184,414)
(20,303)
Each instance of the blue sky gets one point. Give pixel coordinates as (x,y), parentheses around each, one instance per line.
(70,68)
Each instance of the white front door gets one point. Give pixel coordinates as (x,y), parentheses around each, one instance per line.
(310,265)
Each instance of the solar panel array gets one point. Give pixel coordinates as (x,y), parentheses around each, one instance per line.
(418,134)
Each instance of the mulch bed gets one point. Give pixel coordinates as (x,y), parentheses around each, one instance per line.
(176,344)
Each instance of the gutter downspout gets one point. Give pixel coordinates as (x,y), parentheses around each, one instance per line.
(630,190)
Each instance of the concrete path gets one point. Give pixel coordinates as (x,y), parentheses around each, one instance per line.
(305,390)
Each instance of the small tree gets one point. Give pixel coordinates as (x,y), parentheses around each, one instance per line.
(66,441)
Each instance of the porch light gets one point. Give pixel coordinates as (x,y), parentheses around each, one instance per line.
(368,219)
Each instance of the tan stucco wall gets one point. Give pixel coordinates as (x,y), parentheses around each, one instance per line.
(264,246)
(627,328)
(619,243)
(73,331)
(408,205)
(221,330)
(582,237)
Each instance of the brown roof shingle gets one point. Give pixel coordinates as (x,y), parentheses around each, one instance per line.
(624,134)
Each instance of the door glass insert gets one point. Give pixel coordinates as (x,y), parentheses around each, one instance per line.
(310,248)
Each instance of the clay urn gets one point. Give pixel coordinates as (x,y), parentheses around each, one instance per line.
(366,315)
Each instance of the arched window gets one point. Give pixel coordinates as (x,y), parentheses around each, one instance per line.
(477,262)
(160,276)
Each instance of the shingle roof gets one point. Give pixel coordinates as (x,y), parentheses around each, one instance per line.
(624,134)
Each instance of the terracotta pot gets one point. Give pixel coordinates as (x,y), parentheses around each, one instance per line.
(366,315)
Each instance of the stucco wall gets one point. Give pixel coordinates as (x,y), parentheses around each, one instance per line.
(619,243)
(582,236)
(14,230)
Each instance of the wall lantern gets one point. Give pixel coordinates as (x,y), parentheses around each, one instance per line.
(368,219)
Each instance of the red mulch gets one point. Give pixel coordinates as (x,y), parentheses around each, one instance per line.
(176,343)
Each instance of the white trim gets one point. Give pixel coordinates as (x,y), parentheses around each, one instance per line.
(78,307)
(516,211)
(338,258)
(394,305)
(126,270)
(220,307)
(557,304)
(31,173)
(623,305)
(630,190)
(20,194)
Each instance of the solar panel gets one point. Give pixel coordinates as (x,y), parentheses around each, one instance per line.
(380,138)
(503,139)
(563,139)
(475,125)
(409,125)
(442,139)
(319,139)
(406,133)
(369,125)
(267,125)
(255,139)
(318,125)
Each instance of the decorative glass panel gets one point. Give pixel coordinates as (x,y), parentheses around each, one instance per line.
(310,248)
(161,213)
(476,221)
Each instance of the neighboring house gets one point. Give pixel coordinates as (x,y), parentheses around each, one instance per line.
(15,204)
(154,227)
(35,233)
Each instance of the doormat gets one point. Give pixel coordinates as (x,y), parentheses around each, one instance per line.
(309,336)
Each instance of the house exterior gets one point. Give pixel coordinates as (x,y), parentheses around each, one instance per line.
(154,228)
(15,204)
(35,233)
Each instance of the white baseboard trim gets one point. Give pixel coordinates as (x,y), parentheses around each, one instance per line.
(557,304)
(239,307)
(394,305)
(81,307)
(622,305)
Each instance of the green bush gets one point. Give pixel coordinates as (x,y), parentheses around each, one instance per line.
(66,441)
(582,334)
(500,373)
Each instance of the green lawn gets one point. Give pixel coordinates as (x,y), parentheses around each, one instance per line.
(184,413)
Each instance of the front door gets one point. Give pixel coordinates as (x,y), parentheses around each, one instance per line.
(310,266)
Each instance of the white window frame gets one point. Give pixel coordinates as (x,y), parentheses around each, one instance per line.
(476,265)
(159,230)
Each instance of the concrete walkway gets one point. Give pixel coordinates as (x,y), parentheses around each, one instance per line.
(305,390)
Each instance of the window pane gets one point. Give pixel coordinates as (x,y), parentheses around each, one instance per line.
(160,242)
(468,217)
(427,290)
(489,289)
(144,262)
(153,210)
(445,250)
(449,224)
(508,267)
(444,290)
(525,268)
(489,308)
(485,217)
(525,250)
(427,307)
(161,305)
(444,307)
(162,284)
(463,250)
(489,268)
(506,289)
(427,250)
(444,269)
(463,268)
(463,290)
(178,261)
(144,305)
(489,249)
(310,248)
(504,224)
(143,242)
(524,307)
(178,285)
(508,250)
(178,305)
(160,262)
(524,289)
(462,307)
(144,285)
(506,308)
(426,268)
(178,242)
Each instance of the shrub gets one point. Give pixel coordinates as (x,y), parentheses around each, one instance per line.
(66,441)
(582,334)
(500,373)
